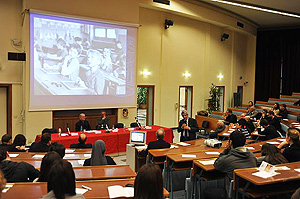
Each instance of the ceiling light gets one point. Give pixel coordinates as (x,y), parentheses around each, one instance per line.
(186,74)
(254,7)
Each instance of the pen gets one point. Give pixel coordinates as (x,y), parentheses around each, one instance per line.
(86,187)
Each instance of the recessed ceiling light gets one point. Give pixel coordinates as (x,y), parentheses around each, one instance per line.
(254,7)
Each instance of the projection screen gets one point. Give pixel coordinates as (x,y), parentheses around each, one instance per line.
(81,64)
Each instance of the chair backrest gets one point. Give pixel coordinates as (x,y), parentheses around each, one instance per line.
(205,124)
(49,130)
(134,124)
(230,191)
(284,127)
(119,125)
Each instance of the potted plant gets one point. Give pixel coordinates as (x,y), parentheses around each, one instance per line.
(142,97)
(214,98)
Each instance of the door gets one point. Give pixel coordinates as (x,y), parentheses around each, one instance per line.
(185,100)
(145,106)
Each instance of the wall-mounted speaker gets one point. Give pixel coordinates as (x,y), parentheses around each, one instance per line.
(16,56)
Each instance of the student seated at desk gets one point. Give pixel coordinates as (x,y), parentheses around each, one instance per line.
(6,140)
(292,152)
(235,156)
(160,143)
(230,117)
(58,148)
(62,182)
(18,145)
(271,154)
(81,143)
(48,160)
(242,127)
(43,145)
(16,171)
(269,131)
(98,158)
(148,182)
(2,182)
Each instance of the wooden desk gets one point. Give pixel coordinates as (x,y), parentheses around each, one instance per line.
(249,185)
(104,172)
(37,163)
(30,156)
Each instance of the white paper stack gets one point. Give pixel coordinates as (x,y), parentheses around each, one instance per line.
(87,155)
(212,153)
(117,191)
(38,156)
(13,155)
(207,162)
(188,156)
(183,144)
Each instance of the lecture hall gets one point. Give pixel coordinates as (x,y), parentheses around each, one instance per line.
(150,99)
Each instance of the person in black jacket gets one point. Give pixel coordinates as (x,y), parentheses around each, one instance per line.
(43,145)
(58,148)
(81,145)
(230,117)
(18,144)
(269,131)
(16,171)
(98,158)
(82,124)
(274,121)
(6,140)
(292,152)
(187,127)
(160,143)
(103,122)
(283,112)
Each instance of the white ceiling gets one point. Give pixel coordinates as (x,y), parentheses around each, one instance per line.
(263,19)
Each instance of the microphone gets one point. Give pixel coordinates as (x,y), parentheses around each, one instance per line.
(139,125)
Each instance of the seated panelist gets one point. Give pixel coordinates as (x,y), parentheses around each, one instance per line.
(187,127)
(82,124)
(103,122)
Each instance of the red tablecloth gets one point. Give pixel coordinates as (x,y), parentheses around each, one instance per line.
(114,141)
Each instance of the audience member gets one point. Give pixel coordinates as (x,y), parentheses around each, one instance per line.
(6,140)
(269,131)
(48,160)
(296,195)
(283,112)
(82,124)
(250,103)
(264,115)
(292,152)
(274,121)
(220,127)
(251,112)
(271,154)
(230,117)
(61,182)
(58,148)
(18,144)
(16,171)
(249,124)
(242,127)
(160,143)
(81,143)
(98,158)
(275,109)
(43,145)
(187,127)
(103,122)
(297,103)
(235,156)
(148,183)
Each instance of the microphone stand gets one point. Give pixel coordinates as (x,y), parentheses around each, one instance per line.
(139,124)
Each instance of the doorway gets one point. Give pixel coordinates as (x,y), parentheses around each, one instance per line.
(185,100)
(145,104)
(6,108)
(222,97)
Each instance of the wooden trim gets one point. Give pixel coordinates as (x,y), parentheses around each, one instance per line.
(8,107)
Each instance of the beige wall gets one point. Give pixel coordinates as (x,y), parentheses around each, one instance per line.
(192,44)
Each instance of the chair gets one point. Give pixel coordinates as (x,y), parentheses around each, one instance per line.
(134,124)
(49,130)
(119,125)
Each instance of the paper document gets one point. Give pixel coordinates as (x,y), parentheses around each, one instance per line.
(212,153)
(295,123)
(183,144)
(250,148)
(264,174)
(87,155)
(13,155)
(285,119)
(80,191)
(188,156)
(81,162)
(38,156)
(281,140)
(282,168)
(69,156)
(273,142)
(74,134)
(173,146)
(141,147)
(298,170)
(117,191)
(7,187)
(226,133)
(69,151)
(207,162)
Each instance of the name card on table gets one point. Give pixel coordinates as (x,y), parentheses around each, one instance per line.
(266,170)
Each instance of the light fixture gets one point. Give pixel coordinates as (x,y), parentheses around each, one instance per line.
(220,76)
(146,72)
(186,74)
(254,7)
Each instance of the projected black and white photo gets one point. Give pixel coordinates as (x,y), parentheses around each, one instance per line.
(73,58)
